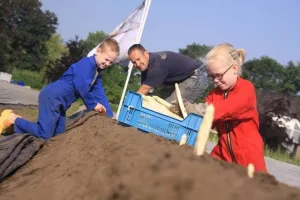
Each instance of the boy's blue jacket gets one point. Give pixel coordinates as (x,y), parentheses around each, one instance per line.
(77,82)
(57,97)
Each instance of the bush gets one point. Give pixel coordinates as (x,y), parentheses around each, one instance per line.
(114,80)
(274,104)
(32,79)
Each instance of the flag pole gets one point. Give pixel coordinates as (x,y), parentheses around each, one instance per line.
(130,65)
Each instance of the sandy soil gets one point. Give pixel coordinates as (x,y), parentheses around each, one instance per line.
(100,159)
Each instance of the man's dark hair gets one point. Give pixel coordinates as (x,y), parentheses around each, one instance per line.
(136,47)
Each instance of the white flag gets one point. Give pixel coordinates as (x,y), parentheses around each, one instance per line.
(126,34)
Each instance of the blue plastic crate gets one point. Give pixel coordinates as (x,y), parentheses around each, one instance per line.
(134,114)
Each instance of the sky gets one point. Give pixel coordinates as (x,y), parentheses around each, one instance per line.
(262,27)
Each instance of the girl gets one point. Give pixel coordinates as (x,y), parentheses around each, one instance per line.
(81,80)
(236,116)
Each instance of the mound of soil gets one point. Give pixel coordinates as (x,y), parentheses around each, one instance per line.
(103,160)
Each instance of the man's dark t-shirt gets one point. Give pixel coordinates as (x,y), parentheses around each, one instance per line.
(168,68)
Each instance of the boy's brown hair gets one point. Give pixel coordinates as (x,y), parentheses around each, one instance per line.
(110,44)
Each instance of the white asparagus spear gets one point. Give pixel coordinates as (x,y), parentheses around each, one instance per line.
(150,103)
(162,101)
(250,170)
(180,101)
(182,140)
(204,130)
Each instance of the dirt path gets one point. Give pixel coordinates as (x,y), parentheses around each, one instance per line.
(15,94)
(103,160)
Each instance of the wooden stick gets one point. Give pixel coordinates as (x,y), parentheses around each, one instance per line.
(180,101)
(182,140)
(204,130)
(250,170)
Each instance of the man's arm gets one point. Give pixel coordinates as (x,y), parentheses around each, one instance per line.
(154,78)
(144,89)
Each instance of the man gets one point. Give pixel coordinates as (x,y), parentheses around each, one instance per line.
(168,68)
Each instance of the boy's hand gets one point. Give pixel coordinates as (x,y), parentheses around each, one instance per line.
(100,108)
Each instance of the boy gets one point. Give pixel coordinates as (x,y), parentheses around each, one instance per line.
(81,80)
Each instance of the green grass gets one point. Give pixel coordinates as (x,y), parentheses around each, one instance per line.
(213,137)
(74,107)
(277,155)
(281,156)
(114,107)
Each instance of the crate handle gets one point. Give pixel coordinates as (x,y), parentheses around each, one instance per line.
(129,107)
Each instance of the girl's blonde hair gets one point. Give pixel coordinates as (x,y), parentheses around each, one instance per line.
(227,54)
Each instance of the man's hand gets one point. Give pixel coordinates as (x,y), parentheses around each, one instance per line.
(144,89)
(100,108)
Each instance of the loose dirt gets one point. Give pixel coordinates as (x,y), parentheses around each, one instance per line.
(100,159)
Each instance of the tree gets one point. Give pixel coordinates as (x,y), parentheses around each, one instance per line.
(114,80)
(93,40)
(75,53)
(25,29)
(195,50)
(291,79)
(55,47)
(265,73)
